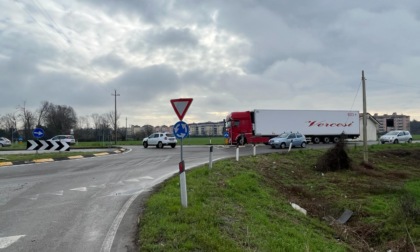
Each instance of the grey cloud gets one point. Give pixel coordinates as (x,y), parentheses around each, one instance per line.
(142,85)
(110,61)
(171,37)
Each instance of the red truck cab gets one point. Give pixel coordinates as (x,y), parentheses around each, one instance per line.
(240,126)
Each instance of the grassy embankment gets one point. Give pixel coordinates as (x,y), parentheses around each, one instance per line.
(245,205)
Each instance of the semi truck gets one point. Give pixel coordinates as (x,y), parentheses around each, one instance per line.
(259,125)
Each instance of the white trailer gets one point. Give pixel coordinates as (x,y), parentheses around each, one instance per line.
(317,125)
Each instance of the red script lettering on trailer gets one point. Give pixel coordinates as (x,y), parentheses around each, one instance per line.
(327,124)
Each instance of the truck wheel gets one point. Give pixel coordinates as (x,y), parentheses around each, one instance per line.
(326,140)
(316,140)
(241,141)
(336,139)
(173,145)
(145,144)
(282,145)
(159,145)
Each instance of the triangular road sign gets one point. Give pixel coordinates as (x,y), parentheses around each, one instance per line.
(181,106)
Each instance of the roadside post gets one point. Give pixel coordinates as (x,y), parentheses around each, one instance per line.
(38,133)
(255,150)
(226,135)
(290,146)
(181,130)
(237,152)
(211,157)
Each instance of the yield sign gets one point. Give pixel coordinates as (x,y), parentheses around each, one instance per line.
(181,106)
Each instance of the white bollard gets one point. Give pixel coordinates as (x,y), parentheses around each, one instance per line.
(237,153)
(183,184)
(290,147)
(255,150)
(211,157)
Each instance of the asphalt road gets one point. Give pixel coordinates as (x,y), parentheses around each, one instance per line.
(91,204)
(88,204)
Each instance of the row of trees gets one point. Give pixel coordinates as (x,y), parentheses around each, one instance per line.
(62,119)
(54,119)
(415,127)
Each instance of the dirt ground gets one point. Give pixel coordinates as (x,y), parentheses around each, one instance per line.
(386,170)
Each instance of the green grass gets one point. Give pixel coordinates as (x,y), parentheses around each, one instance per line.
(230,209)
(244,206)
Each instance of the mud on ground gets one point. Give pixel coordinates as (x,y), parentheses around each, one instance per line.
(325,195)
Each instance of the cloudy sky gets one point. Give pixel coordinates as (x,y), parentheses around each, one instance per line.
(228,55)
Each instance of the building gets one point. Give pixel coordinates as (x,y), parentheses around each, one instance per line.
(207,129)
(196,129)
(392,122)
(371,128)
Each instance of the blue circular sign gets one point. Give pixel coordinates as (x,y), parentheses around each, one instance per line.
(181,130)
(226,135)
(38,133)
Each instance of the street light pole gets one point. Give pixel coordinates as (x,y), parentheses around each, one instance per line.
(115,116)
(365,149)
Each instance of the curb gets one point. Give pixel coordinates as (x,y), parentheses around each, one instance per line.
(46,160)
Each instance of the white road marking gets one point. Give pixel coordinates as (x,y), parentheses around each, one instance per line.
(59,193)
(31,197)
(146,177)
(98,186)
(132,180)
(7,241)
(80,189)
(109,239)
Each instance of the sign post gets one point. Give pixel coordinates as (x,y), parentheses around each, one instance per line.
(37,133)
(181,130)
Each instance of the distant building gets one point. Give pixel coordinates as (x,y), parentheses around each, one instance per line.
(196,129)
(392,122)
(163,128)
(206,129)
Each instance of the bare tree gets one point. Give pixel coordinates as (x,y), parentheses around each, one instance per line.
(42,112)
(146,130)
(9,122)
(110,116)
(60,119)
(28,120)
(83,122)
(96,118)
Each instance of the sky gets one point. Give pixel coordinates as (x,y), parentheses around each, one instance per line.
(227,55)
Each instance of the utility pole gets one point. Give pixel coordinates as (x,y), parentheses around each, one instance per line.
(115,117)
(365,148)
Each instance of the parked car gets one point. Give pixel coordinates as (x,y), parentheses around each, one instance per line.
(69,139)
(4,142)
(283,140)
(396,136)
(160,140)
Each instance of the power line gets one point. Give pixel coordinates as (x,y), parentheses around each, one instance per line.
(357,93)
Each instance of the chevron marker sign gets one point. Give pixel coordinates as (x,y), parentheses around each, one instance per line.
(47,145)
